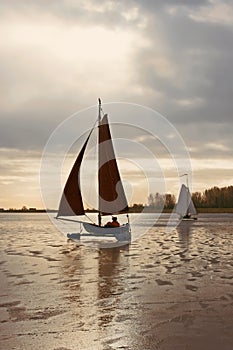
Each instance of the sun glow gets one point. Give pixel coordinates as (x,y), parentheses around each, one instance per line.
(80,57)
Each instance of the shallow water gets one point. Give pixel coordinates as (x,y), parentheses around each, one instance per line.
(169,290)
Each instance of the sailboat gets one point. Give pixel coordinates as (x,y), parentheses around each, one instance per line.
(111,196)
(185,207)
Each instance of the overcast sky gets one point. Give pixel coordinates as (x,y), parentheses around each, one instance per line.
(58,57)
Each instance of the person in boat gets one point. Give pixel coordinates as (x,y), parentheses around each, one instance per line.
(187,216)
(113,223)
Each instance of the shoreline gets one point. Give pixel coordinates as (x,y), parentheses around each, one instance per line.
(145,210)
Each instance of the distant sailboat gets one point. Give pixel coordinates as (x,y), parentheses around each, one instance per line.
(112,199)
(185,207)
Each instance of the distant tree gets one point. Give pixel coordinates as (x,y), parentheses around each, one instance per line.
(197,198)
(137,207)
(156,201)
(151,201)
(170,201)
(160,201)
(214,197)
(24,208)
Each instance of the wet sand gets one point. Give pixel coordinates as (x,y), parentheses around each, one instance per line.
(167,290)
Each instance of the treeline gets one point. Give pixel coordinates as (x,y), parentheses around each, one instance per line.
(214,197)
(160,201)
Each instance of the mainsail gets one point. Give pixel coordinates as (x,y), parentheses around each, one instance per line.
(112,197)
(185,204)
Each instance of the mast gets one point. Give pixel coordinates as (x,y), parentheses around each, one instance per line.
(186,178)
(99,115)
(99,121)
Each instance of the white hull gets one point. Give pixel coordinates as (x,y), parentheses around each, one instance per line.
(105,230)
(121,233)
(188,219)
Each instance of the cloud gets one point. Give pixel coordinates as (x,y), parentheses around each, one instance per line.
(218,13)
(50,70)
(198,65)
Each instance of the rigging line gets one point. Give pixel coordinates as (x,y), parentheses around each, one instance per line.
(89,218)
(70,220)
(96,121)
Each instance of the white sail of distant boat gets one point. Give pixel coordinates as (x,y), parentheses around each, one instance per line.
(112,199)
(185,207)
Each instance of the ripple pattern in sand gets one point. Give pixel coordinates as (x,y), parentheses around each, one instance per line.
(168,290)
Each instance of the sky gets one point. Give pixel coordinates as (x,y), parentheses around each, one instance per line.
(58,57)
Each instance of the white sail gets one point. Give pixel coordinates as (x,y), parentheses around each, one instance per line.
(191,208)
(185,204)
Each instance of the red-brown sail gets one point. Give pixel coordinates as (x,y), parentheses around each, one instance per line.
(71,201)
(112,197)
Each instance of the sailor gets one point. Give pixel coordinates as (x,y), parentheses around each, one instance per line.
(114,222)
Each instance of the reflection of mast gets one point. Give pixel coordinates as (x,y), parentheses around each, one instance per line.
(184,229)
(108,261)
(111,264)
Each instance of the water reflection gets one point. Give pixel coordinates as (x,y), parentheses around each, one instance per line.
(94,281)
(184,230)
(142,295)
(171,290)
(108,269)
(112,265)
